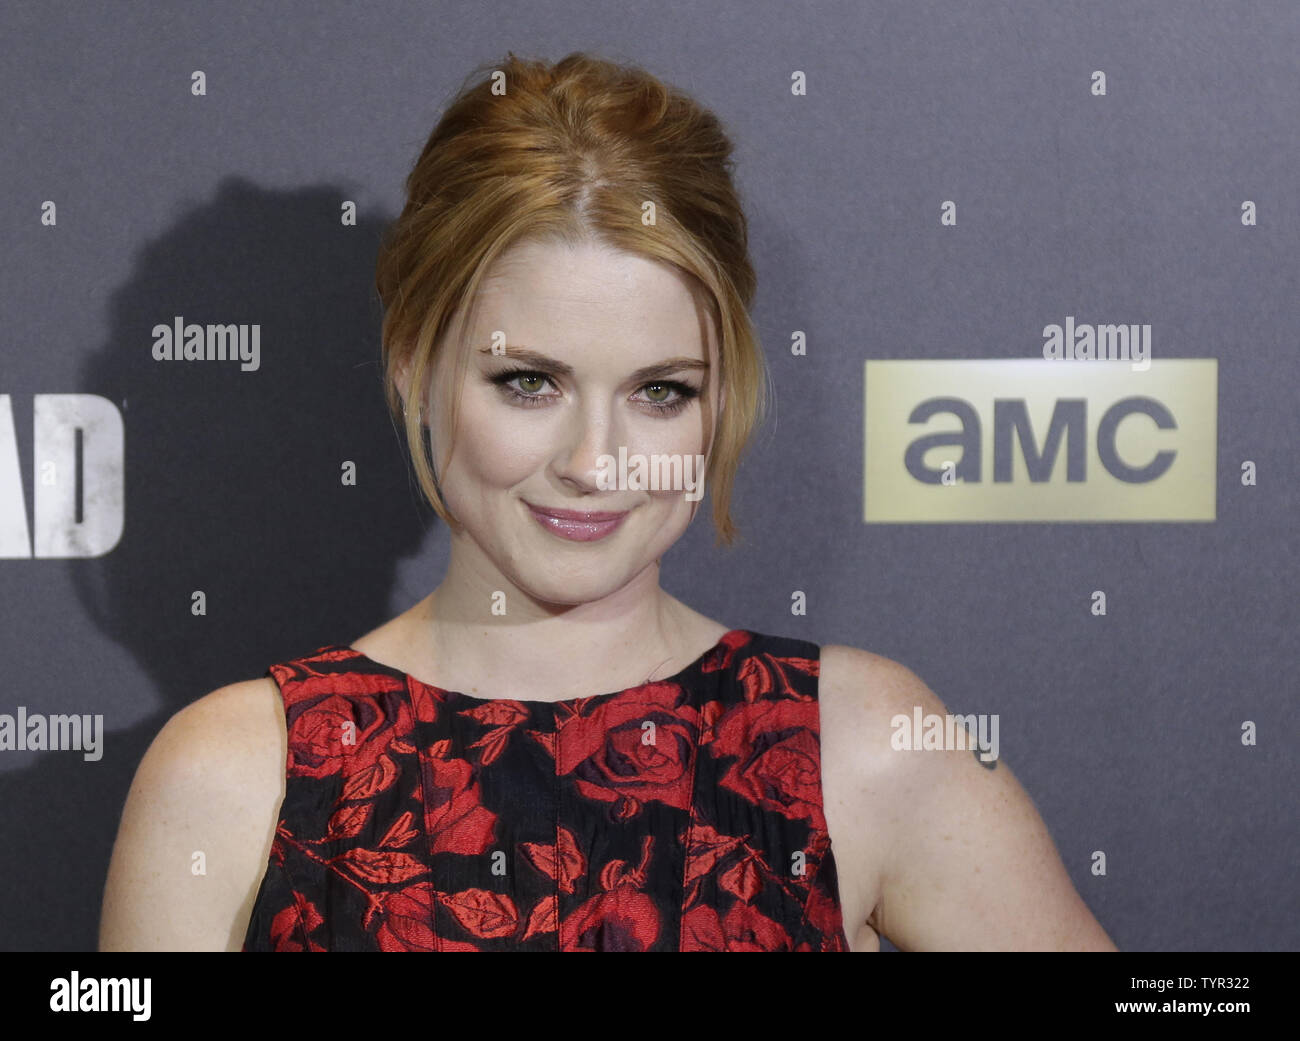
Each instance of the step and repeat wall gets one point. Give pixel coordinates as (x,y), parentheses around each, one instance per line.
(1028,297)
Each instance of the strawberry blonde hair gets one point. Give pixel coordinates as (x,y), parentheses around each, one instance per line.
(569,152)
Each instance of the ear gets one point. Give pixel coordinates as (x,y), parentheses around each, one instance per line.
(402,379)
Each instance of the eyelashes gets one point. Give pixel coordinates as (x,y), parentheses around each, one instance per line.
(685,393)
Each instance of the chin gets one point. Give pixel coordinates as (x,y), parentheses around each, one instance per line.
(570,588)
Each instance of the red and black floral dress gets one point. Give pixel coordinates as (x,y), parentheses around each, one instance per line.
(681,815)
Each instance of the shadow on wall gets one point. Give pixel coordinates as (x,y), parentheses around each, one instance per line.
(233,487)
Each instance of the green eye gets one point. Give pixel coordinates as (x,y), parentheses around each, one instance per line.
(665,397)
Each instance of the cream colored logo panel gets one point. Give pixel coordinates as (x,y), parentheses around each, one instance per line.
(1039,440)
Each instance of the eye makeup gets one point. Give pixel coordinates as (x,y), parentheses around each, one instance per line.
(685,393)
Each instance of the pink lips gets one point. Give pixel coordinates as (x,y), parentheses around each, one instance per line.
(577,525)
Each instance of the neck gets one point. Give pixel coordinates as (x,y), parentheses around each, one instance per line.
(543,651)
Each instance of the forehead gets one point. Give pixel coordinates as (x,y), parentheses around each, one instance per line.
(559,297)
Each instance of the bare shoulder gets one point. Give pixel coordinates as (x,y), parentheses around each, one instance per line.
(862,693)
(871,678)
(243,719)
(228,745)
(197,825)
(864,696)
(856,690)
(964,860)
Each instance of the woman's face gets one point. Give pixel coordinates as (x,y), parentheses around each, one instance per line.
(568,391)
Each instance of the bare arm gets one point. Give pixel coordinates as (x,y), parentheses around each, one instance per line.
(197,826)
(967,862)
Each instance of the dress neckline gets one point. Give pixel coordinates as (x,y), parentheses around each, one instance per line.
(587,700)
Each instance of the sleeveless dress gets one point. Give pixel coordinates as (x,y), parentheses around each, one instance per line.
(684,814)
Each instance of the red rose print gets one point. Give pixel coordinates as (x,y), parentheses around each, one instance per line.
(309,683)
(705,848)
(702,930)
(482,912)
(779,760)
(452,823)
(765,674)
(426,701)
(624,919)
(545,739)
(747,929)
(454,815)
(503,717)
(331,732)
(407,919)
(619,873)
(744,879)
(721,656)
(570,864)
(608,753)
(400,833)
(743,928)
(497,713)
(542,918)
(288,926)
(371,779)
(823,913)
(381,868)
(348,821)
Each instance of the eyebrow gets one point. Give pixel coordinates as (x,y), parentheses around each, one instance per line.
(548,365)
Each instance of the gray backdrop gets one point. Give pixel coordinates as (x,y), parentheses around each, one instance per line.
(1125,730)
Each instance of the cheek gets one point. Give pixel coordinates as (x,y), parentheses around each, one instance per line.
(684,440)
(493,446)
(681,435)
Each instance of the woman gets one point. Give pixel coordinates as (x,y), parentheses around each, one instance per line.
(550,751)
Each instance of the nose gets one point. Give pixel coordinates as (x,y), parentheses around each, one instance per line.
(589,432)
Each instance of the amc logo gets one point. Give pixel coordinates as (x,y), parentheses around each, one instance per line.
(1037,440)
